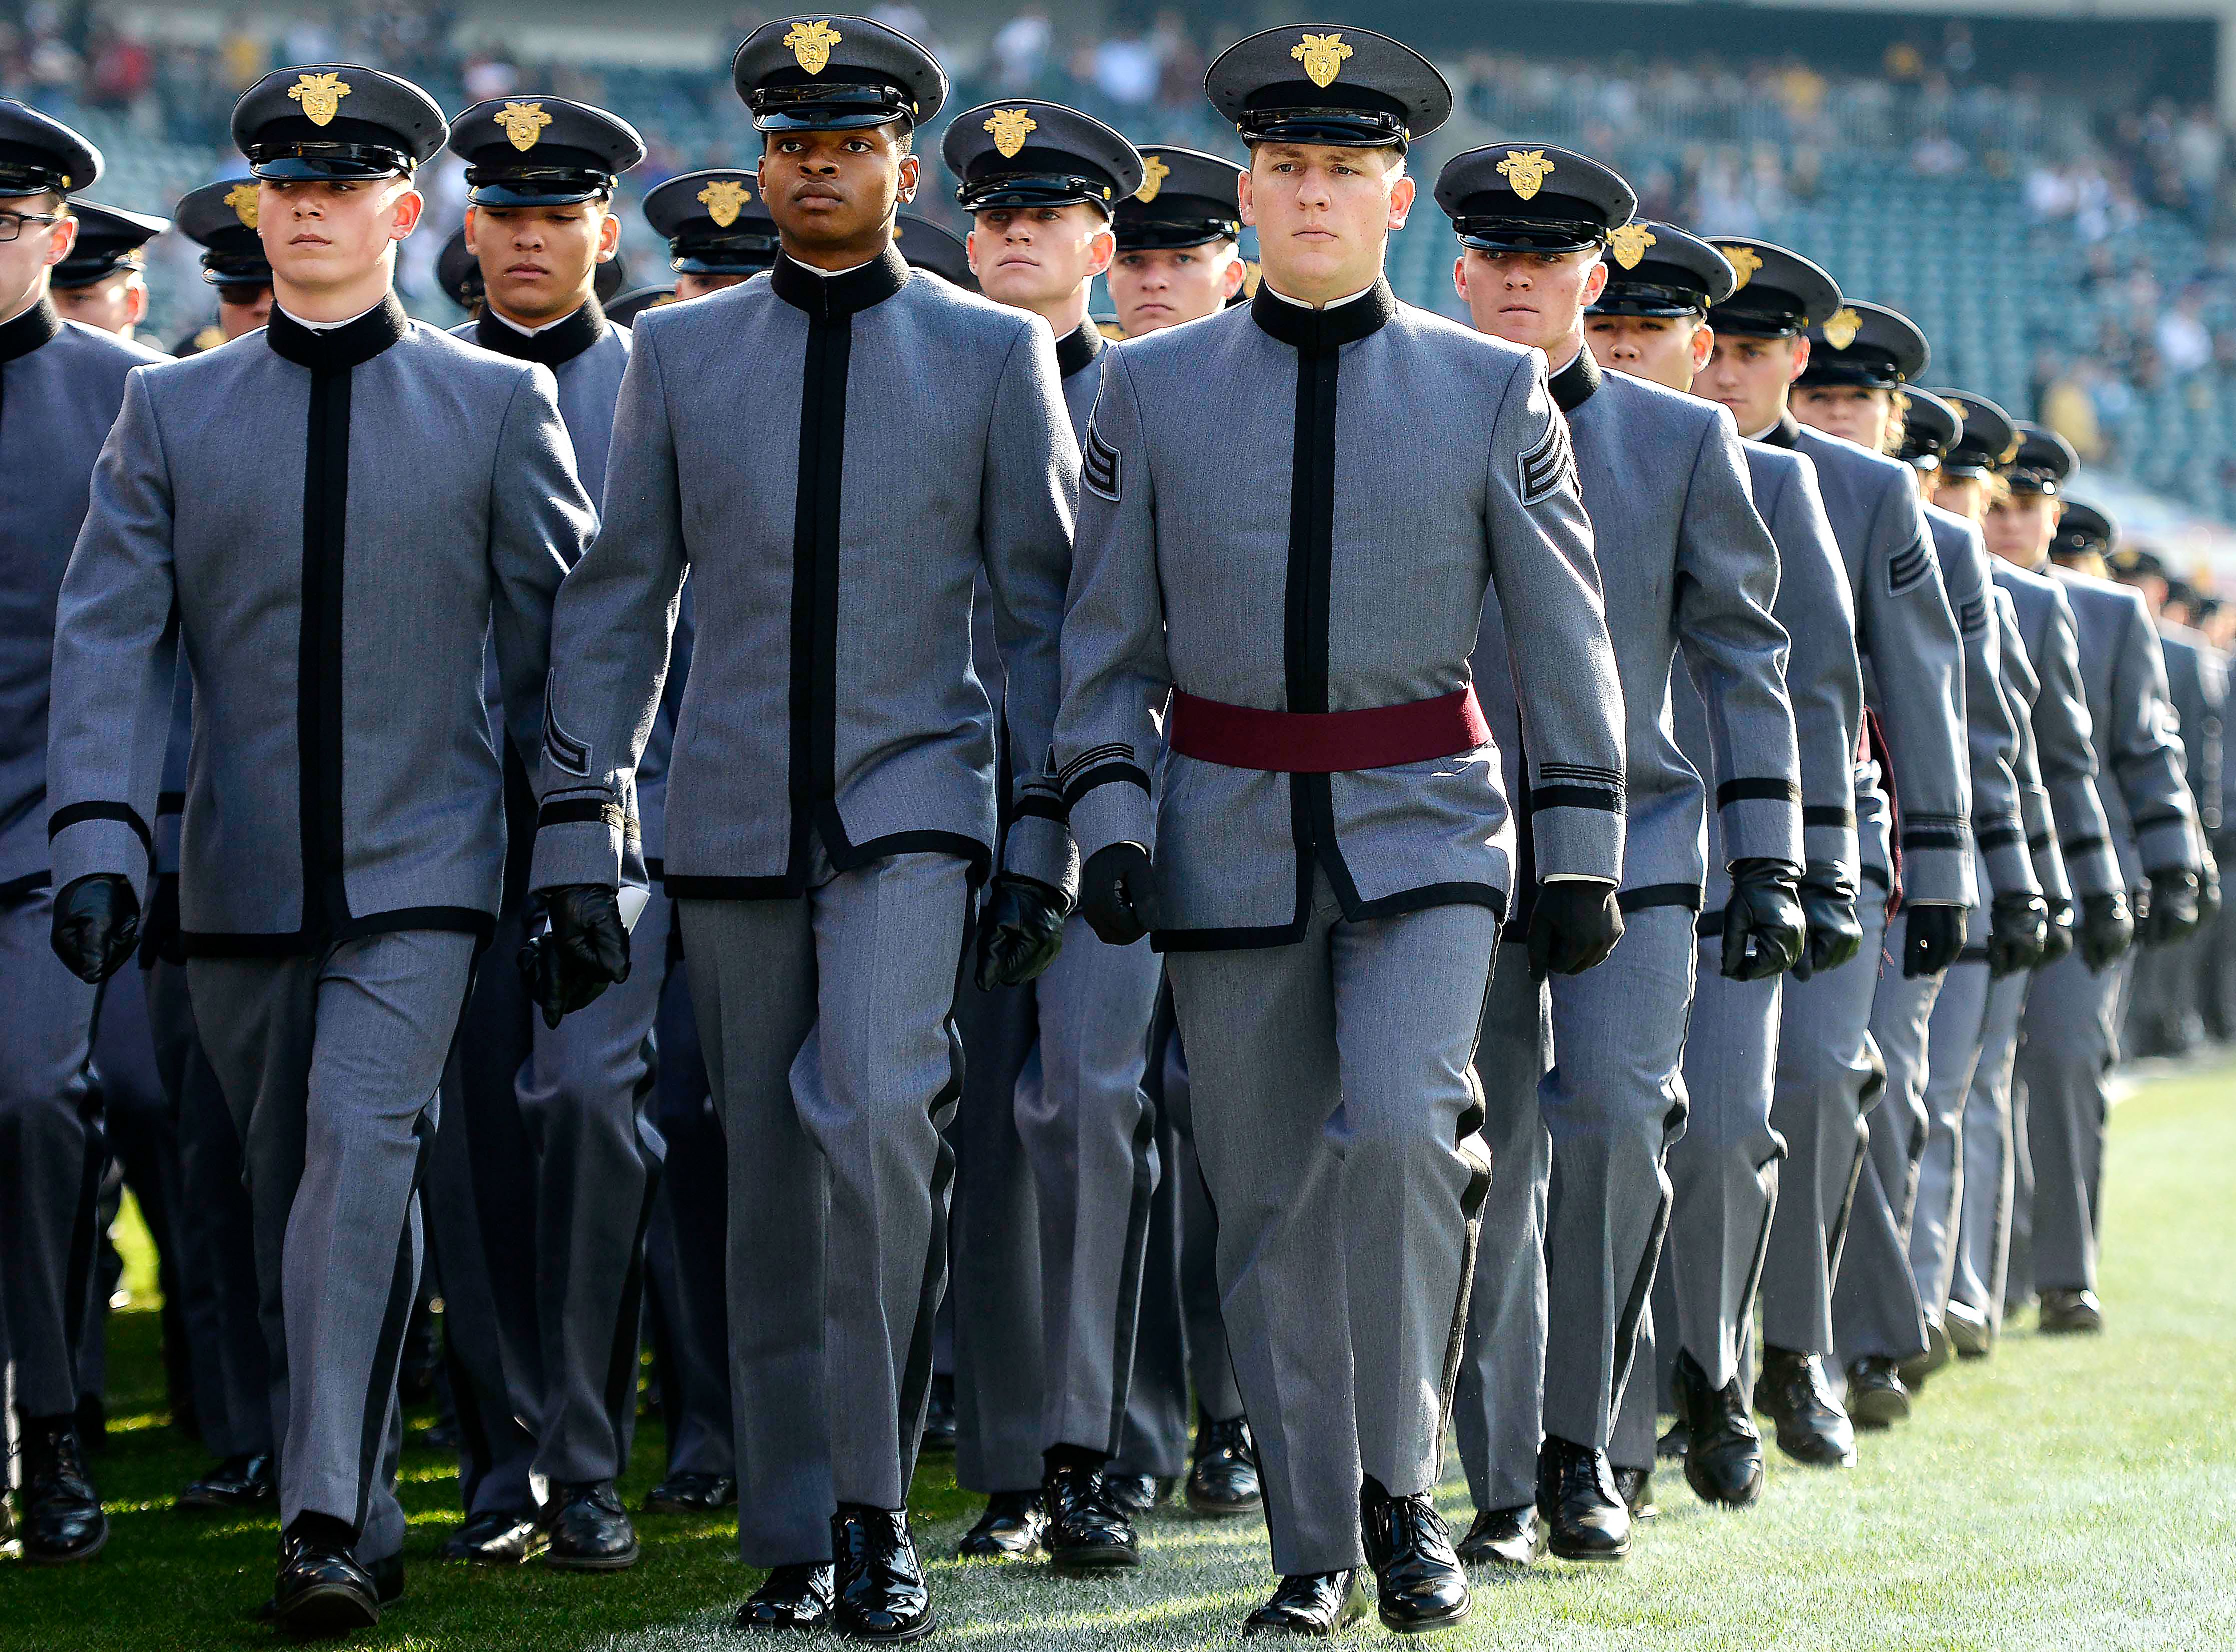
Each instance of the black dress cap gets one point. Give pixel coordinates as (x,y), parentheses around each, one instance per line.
(1775,293)
(1532,198)
(1987,439)
(2083,528)
(1657,269)
(629,306)
(38,153)
(1327,83)
(220,218)
(2044,463)
(835,74)
(713,222)
(926,245)
(335,121)
(1867,345)
(1026,153)
(541,151)
(1186,198)
(1930,428)
(108,239)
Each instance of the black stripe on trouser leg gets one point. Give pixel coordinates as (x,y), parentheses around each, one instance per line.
(621,1366)
(319,659)
(1743,1326)
(1836,1234)
(395,1321)
(1129,1280)
(916,1374)
(1634,1306)
(1468,1130)
(77,1276)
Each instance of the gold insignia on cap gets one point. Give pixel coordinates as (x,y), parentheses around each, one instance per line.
(320,96)
(1322,57)
(1629,243)
(242,199)
(1009,128)
(1745,261)
(1842,326)
(1154,173)
(810,42)
(2012,451)
(724,197)
(523,123)
(1525,172)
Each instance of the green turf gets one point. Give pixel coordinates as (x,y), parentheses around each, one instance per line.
(2067,1493)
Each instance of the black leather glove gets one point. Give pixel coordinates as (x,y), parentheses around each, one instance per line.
(1932,937)
(2057,933)
(96,925)
(1020,932)
(2106,930)
(1828,904)
(1118,894)
(1574,925)
(2173,913)
(2018,928)
(1764,929)
(159,931)
(585,950)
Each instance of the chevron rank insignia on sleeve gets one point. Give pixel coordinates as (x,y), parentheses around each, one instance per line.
(1099,466)
(1907,569)
(1546,465)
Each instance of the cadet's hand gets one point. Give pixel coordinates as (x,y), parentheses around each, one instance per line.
(1574,926)
(1764,929)
(2173,914)
(1828,903)
(2105,929)
(96,925)
(2018,930)
(586,951)
(2057,934)
(159,931)
(1932,937)
(1118,894)
(1021,932)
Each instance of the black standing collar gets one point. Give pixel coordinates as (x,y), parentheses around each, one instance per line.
(334,349)
(1786,433)
(828,298)
(1318,332)
(1573,384)
(35,328)
(554,346)
(1079,349)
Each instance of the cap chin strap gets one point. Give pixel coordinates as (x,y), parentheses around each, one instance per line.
(1337,128)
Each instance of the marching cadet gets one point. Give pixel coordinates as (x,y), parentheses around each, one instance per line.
(1688,572)
(337,878)
(1328,853)
(1180,254)
(1650,320)
(834,785)
(60,388)
(220,219)
(713,242)
(1828,1070)
(2070,1037)
(103,282)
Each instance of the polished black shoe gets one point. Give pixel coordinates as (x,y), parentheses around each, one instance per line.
(1877,1398)
(882,1595)
(1086,1531)
(939,1415)
(1419,1585)
(1010,1529)
(1585,1514)
(1136,1494)
(1223,1477)
(240,1482)
(387,1588)
(1939,1350)
(1812,1426)
(62,1520)
(1723,1455)
(1503,1538)
(1969,1333)
(589,1530)
(791,1597)
(1635,1488)
(1674,1442)
(1313,1603)
(691,1493)
(322,1592)
(2069,1312)
(496,1537)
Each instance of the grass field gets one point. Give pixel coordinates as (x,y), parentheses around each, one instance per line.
(2069,1493)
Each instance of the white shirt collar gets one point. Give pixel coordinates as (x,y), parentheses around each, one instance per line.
(529,332)
(1551,371)
(1332,304)
(328,326)
(1756,436)
(832,276)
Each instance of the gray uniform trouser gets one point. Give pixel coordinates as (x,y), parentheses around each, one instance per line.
(1336,1128)
(827,1025)
(1829,1076)
(331,1064)
(1957,1043)
(51,1156)
(2068,1045)
(1991,1157)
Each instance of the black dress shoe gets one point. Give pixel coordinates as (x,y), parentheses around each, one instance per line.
(1635,1488)
(1723,1457)
(1585,1514)
(1503,1538)
(497,1537)
(589,1530)
(322,1592)
(1939,1350)
(1418,1584)
(791,1597)
(882,1595)
(1223,1477)
(939,1415)
(690,1493)
(1969,1333)
(240,1482)
(2070,1313)
(387,1587)
(62,1520)
(1674,1441)
(1086,1531)
(1135,1494)
(1812,1426)
(1010,1529)
(1877,1398)
(1314,1604)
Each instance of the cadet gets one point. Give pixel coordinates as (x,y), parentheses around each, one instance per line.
(713,241)
(1327,855)
(1651,321)
(220,219)
(835,795)
(1179,241)
(103,282)
(330,919)
(60,388)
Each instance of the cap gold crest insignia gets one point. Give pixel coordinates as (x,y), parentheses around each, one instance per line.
(320,96)
(242,199)
(810,43)
(1842,326)
(724,199)
(1154,173)
(523,123)
(1525,172)
(1629,244)
(2012,451)
(1322,57)
(1745,261)
(1010,127)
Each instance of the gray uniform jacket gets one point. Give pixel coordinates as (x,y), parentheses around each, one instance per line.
(1997,830)
(2146,805)
(334,554)
(1685,564)
(2064,733)
(1078,356)
(61,384)
(1291,561)
(2021,690)
(2197,683)
(837,459)
(1913,661)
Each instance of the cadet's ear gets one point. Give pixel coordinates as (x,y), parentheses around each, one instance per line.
(1101,252)
(1231,283)
(1704,344)
(911,175)
(1401,200)
(61,239)
(609,235)
(1245,197)
(1596,280)
(1459,276)
(1800,356)
(404,213)
(136,302)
